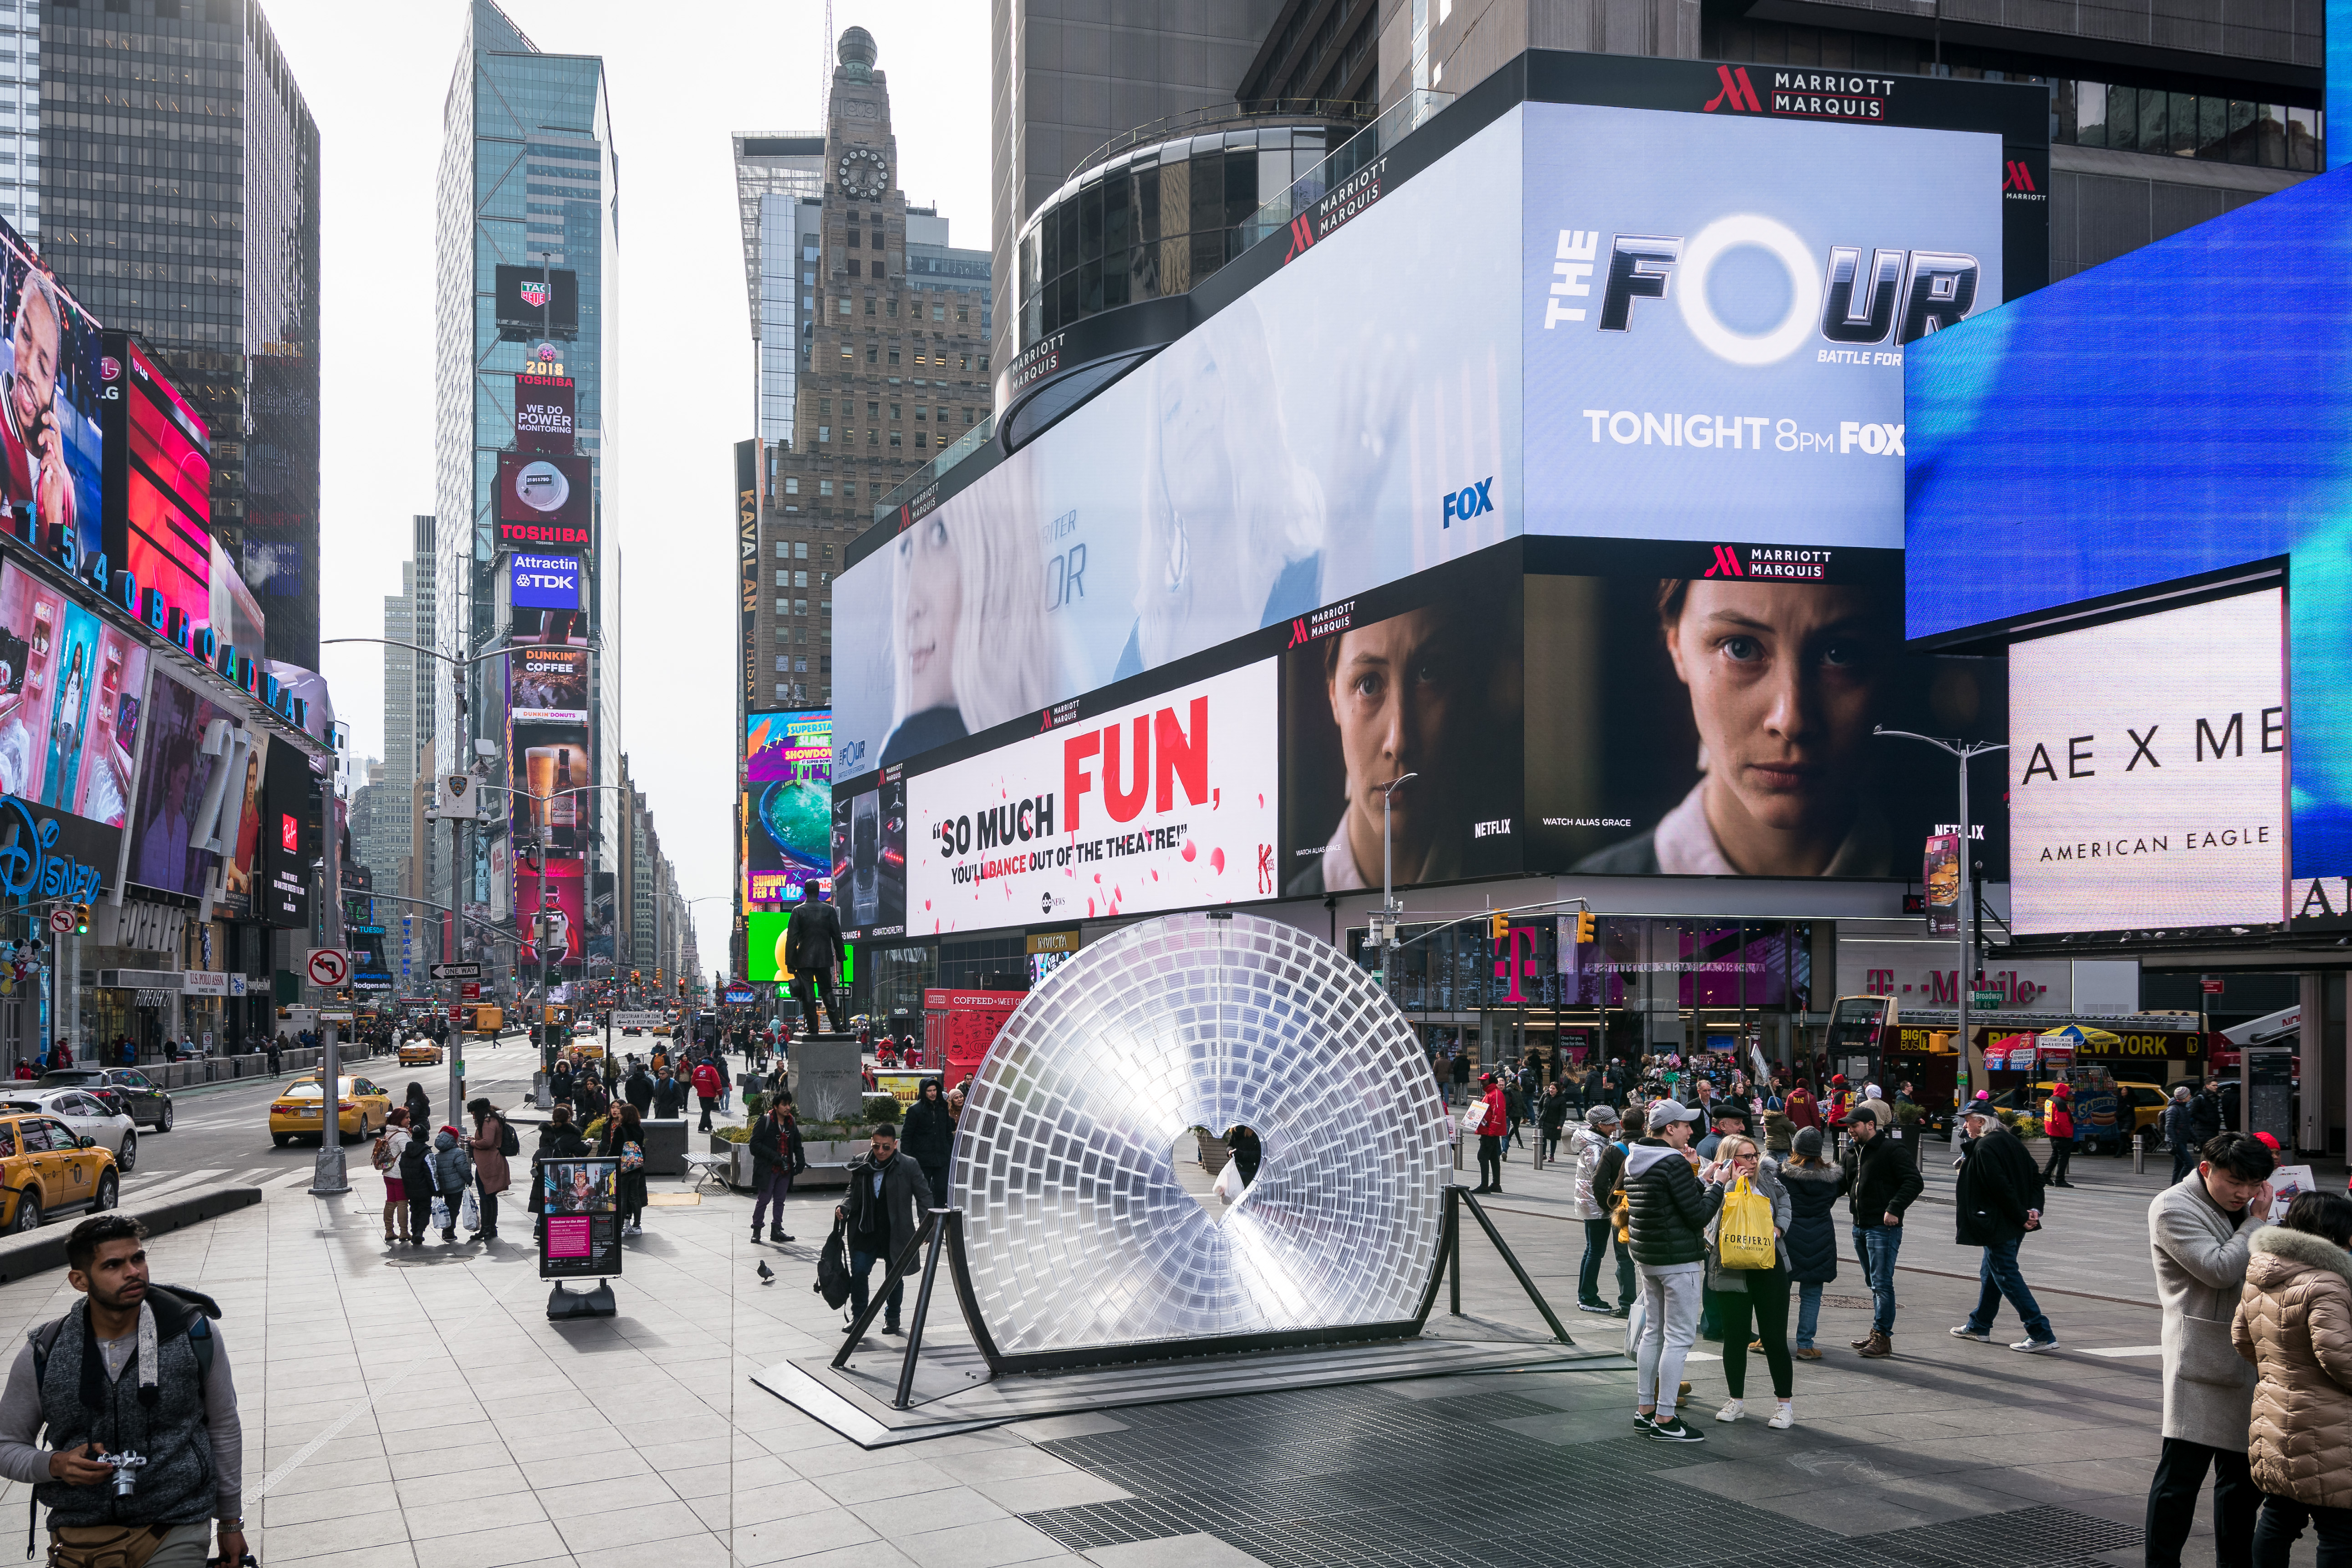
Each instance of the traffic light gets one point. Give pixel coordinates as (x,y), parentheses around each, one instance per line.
(1501,924)
(81,919)
(636,977)
(681,984)
(1587,927)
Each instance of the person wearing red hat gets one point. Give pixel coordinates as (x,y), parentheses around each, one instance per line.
(1493,1128)
(2270,1139)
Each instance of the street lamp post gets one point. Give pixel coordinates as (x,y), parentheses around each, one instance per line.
(1965,751)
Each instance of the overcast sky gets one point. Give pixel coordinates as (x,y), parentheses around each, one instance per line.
(682,79)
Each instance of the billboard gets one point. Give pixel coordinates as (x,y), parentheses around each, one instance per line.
(544,501)
(175,779)
(71,693)
(763,945)
(158,482)
(540,581)
(1697,337)
(1422,678)
(787,775)
(550,685)
(2147,771)
(1685,723)
(544,415)
(869,854)
(2148,475)
(564,880)
(52,383)
(1164,803)
(1715,317)
(542,301)
(289,798)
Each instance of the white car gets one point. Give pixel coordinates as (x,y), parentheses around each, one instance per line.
(86,1117)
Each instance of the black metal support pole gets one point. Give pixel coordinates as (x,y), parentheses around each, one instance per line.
(1559,1331)
(1453,1198)
(923,1309)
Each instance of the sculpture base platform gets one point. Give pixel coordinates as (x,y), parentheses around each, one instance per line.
(953,1391)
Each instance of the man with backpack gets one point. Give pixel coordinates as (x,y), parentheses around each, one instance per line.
(131,1366)
(707,1085)
(493,1143)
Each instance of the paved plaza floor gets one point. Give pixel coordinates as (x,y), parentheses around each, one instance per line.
(412,1408)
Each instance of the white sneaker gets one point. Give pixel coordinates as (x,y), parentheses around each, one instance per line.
(1783,1417)
(2034,1347)
(1733,1409)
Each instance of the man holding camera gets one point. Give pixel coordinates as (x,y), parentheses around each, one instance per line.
(133,1385)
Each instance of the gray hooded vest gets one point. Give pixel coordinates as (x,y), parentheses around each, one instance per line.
(177,1484)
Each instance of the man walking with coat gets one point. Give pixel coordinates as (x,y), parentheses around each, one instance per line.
(2201,1232)
(888,1194)
(1998,1198)
(1883,1182)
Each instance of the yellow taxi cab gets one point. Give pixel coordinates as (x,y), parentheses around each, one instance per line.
(48,1169)
(661,1031)
(422,1053)
(362,1108)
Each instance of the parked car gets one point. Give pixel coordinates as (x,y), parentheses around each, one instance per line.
(128,1089)
(46,1168)
(88,1117)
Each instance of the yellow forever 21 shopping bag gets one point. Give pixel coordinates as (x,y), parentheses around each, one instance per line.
(1743,1232)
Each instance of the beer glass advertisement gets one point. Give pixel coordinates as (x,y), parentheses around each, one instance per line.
(869,856)
(788,776)
(552,806)
(1417,681)
(1713,714)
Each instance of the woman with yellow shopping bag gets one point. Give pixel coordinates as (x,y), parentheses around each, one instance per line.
(1747,1268)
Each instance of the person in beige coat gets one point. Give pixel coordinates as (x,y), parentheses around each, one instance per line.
(490,1175)
(2294,1324)
(2200,1232)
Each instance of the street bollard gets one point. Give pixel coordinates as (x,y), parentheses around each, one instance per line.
(2140,1156)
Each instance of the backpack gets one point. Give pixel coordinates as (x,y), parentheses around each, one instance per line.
(833,1268)
(633,1157)
(509,1145)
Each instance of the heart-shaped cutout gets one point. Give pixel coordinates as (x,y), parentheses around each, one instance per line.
(1216,1172)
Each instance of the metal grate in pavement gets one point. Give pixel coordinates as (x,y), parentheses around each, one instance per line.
(1329,1477)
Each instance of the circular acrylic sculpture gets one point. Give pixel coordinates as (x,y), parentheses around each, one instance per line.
(1080,1242)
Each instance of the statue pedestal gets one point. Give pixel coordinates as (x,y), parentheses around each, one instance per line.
(826,1081)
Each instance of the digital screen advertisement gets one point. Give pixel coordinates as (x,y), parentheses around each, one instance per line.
(763,945)
(71,690)
(787,775)
(52,380)
(289,791)
(550,685)
(174,777)
(2147,771)
(869,856)
(544,300)
(1715,317)
(1160,803)
(158,482)
(540,581)
(1354,419)
(543,418)
(565,879)
(544,501)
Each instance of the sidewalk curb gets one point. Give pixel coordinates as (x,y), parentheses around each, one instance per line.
(23,1255)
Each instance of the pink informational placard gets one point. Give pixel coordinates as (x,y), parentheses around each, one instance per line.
(567,1236)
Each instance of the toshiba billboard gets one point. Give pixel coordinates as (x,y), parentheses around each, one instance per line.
(1165,803)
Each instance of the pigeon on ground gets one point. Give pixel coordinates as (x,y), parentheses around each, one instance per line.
(767,1275)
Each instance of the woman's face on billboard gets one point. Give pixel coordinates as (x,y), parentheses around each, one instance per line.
(934,606)
(1783,682)
(1396,693)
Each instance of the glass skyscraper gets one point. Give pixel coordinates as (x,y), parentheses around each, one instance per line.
(528,177)
(179,199)
(774,175)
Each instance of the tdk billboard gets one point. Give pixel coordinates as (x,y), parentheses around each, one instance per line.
(542,581)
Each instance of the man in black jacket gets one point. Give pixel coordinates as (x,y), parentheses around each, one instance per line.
(1998,1197)
(1668,1211)
(639,1088)
(669,1096)
(776,1159)
(2204,1117)
(888,1194)
(1883,1180)
(813,949)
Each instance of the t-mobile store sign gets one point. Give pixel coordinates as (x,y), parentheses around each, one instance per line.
(1927,974)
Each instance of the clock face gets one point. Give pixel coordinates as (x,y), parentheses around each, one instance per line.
(864,175)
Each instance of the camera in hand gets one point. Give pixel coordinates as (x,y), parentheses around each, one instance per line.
(126,1472)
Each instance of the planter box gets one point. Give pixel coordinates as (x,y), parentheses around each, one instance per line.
(2037,1149)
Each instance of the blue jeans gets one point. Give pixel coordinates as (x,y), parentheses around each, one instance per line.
(1808,1313)
(1600,1236)
(2000,1277)
(861,1265)
(1876,1246)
